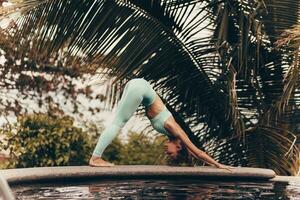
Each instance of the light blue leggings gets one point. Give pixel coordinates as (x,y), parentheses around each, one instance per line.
(136,91)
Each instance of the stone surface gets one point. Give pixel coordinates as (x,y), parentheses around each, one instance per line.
(286,179)
(131,171)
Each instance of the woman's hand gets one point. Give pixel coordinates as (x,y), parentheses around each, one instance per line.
(226,167)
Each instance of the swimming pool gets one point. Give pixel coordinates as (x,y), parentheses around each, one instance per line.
(181,189)
(149,182)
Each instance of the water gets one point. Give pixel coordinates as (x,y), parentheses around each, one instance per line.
(161,189)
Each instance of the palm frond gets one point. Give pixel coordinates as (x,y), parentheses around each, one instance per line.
(262,148)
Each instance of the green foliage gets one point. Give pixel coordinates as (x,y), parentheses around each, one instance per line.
(42,140)
(142,150)
(138,150)
(3,165)
(114,151)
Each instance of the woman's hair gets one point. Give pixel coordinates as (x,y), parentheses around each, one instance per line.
(183,158)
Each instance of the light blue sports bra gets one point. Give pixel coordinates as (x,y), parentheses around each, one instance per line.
(159,120)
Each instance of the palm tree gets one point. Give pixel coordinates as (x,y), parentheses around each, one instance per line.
(215,63)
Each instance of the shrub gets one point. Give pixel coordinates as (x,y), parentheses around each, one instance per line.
(114,151)
(41,140)
(143,150)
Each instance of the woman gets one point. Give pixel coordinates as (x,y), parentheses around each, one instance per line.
(139,91)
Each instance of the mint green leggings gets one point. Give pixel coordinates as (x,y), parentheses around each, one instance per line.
(136,91)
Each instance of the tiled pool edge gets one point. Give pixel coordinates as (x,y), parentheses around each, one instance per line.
(15,176)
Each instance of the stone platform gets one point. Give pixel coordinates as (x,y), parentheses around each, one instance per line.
(42,174)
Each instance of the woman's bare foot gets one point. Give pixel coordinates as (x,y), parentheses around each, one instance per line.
(96,161)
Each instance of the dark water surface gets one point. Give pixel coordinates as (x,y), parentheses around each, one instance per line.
(160,189)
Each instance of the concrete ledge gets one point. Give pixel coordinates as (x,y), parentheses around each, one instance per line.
(286,179)
(131,171)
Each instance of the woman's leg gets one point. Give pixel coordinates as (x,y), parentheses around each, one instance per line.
(130,101)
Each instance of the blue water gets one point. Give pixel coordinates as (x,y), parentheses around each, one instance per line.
(182,189)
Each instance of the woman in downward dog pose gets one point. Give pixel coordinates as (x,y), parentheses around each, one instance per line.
(139,91)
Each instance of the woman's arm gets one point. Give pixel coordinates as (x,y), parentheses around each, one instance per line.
(173,127)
